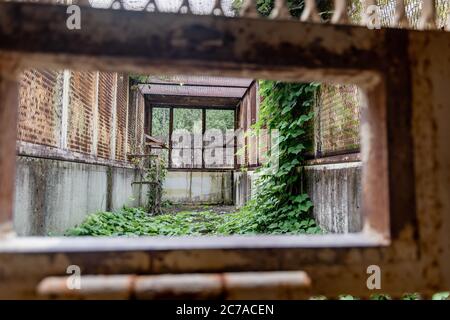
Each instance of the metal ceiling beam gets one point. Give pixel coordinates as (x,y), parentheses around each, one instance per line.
(188,101)
(194,91)
(201,81)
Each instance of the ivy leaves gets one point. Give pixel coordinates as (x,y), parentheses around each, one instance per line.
(279,206)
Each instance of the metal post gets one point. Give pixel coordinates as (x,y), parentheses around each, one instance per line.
(9,92)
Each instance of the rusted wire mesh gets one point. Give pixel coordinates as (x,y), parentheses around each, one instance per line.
(40,104)
(336,127)
(122,110)
(80,110)
(337,120)
(106,89)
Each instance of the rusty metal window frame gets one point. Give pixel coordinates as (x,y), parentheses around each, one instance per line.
(376,232)
(373,60)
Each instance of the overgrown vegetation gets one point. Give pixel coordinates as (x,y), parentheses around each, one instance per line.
(279,206)
(133,222)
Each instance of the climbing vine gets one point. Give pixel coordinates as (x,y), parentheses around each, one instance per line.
(152,173)
(279,205)
(155,175)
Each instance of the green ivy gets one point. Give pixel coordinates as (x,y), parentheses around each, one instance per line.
(278,205)
(265,7)
(133,222)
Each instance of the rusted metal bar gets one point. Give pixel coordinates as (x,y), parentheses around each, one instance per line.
(367,4)
(428,15)
(251,285)
(400,18)
(192,102)
(169,165)
(340,14)
(220,44)
(343,158)
(9,93)
(448,22)
(310,13)
(404,74)
(375,173)
(203,136)
(280,10)
(249,9)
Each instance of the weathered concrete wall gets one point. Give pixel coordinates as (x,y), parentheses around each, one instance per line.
(54,195)
(335,190)
(243,187)
(198,187)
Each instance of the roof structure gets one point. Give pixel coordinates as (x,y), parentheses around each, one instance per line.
(185,90)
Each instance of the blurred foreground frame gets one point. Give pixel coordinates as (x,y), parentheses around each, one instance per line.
(404,75)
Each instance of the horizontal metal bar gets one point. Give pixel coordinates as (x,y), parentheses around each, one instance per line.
(243,285)
(156,42)
(193,91)
(201,81)
(342,158)
(117,244)
(192,102)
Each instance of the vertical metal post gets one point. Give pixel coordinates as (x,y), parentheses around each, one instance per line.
(95,116)
(170,136)
(113,134)
(203,136)
(65,109)
(9,93)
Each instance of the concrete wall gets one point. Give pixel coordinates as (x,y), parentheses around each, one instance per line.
(335,190)
(243,187)
(198,187)
(54,195)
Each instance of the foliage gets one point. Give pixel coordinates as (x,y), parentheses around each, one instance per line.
(136,222)
(155,174)
(191,120)
(347,297)
(380,296)
(279,206)
(441,296)
(265,7)
(412,296)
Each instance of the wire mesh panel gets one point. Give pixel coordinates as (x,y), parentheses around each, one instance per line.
(136,117)
(140,124)
(40,104)
(106,98)
(81,102)
(122,110)
(337,121)
(336,127)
